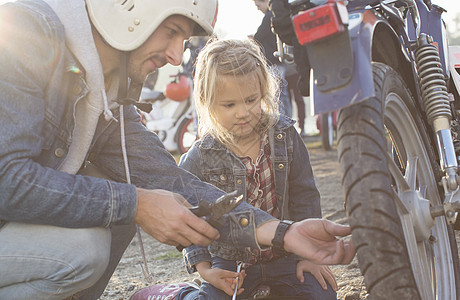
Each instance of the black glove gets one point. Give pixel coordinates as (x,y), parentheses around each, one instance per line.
(281,21)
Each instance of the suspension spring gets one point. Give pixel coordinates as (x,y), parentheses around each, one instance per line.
(432,83)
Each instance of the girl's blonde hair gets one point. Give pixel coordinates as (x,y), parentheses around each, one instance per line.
(232,57)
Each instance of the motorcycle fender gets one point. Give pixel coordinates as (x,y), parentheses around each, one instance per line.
(357,52)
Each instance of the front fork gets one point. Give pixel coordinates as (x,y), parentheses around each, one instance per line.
(436,104)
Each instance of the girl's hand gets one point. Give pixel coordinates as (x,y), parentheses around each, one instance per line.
(221,279)
(320,272)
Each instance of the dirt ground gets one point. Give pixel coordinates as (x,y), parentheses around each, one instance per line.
(166,265)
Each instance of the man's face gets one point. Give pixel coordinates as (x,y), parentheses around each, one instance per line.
(261,5)
(165,45)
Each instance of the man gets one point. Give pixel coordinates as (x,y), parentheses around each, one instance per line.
(64,108)
(282,26)
(267,39)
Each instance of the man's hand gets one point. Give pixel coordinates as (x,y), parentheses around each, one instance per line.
(164,215)
(320,272)
(222,279)
(281,21)
(315,240)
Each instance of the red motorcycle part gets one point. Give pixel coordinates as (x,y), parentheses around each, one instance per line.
(320,22)
(178,91)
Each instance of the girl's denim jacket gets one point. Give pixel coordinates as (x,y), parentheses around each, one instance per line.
(295,189)
(40,85)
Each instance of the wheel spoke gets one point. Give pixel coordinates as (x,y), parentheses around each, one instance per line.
(401,183)
(411,171)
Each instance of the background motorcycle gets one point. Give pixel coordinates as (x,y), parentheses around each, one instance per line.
(173,114)
(385,66)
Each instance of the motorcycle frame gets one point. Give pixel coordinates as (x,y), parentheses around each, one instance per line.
(371,37)
(388,34)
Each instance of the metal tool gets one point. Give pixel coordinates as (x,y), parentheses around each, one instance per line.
(213,211)
(238,269)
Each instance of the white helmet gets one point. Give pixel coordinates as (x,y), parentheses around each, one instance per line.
(127,24)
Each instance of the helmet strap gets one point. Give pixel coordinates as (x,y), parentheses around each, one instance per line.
(123,76)
(123,83)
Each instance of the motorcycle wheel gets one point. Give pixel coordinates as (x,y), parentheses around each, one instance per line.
(327,131)
(186,135)
(389,170)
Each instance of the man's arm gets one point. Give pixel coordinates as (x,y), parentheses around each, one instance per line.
(34,133)
(152,167)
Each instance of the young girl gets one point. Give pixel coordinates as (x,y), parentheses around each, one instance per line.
(247,146)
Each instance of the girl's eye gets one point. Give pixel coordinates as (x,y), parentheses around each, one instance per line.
(251,100)
(228,105)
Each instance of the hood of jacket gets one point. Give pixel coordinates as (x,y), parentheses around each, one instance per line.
(79,40)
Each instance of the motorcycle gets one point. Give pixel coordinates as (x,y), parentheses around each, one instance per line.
(385,65)
(173,114)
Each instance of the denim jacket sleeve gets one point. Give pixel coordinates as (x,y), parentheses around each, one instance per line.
(194,254)
(191,161)
(32,62)
(304,197)
(153,167)
(33,192)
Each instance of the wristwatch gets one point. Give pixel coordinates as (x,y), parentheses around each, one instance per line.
(278,240)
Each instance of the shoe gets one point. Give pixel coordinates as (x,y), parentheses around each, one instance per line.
(167,291)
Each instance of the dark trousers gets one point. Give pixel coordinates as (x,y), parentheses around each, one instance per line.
(294,92)
(279,275)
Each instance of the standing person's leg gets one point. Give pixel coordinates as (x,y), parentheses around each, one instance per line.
(285,106)
(285,101)
(121,237)
(298,98)
(283,281)
(48,262)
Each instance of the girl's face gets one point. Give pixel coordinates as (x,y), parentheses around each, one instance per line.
(237,105)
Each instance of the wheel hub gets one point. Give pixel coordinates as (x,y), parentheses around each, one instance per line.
(419,209)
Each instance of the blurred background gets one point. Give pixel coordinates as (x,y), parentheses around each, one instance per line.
(240,18)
